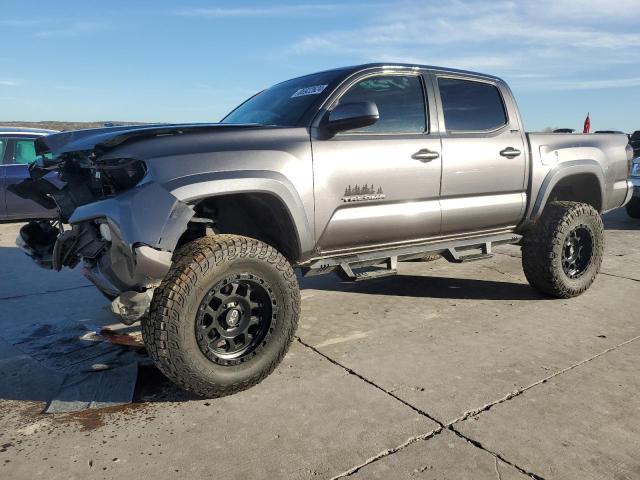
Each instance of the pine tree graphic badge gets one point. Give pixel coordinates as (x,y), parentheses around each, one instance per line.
(362,193)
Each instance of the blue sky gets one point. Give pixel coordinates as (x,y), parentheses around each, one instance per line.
(192,61)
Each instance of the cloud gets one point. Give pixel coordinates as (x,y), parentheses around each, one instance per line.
(271,10)
(551,38)
(590,84)
(8,83)
(73,29)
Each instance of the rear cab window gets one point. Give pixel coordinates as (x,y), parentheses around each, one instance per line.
(471,106)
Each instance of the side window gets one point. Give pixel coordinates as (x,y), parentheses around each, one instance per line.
(471,106)
(400,102)
(25,151)
(3,148)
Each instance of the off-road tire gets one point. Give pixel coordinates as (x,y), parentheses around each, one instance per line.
(543,245)
(169,330)
(633,207)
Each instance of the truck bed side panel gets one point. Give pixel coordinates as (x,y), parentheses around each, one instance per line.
(556,156)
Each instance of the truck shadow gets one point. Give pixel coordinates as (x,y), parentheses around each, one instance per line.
(427,287)
(619,220)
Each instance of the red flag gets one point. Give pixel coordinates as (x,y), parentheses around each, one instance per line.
(587,125)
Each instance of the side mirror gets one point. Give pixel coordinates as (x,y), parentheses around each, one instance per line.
(349,116)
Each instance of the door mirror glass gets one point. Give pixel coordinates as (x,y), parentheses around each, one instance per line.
(349,116)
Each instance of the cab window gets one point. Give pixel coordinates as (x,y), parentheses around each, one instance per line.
(3,148)
(471,106)
(400,102)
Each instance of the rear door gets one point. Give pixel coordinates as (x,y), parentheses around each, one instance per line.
(483,155)
(372,186)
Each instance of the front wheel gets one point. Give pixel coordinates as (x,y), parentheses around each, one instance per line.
(224,316)
(633,207)
(562,253)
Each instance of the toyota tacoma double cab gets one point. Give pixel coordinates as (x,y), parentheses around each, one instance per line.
(196,229)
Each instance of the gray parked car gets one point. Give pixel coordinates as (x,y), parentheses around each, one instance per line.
(17,151)
(196,229)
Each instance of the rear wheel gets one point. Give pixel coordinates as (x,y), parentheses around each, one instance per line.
(562,253)
(633,207)
(224,316)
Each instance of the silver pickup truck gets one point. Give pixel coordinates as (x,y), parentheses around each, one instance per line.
(196,229)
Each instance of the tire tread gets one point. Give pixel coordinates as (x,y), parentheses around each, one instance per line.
(541,242)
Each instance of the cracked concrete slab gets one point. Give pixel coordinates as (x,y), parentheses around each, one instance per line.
(444,456)
(448,339)
(439,340)
(582,424)
(308,419)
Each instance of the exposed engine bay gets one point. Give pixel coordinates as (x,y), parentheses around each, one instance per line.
(86,180)
(121,229)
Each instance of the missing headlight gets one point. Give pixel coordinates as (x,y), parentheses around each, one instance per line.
(121,174)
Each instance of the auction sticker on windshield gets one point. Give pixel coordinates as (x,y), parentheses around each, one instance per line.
(314,90)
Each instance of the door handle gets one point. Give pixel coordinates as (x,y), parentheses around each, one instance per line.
(425,155)
(510,152)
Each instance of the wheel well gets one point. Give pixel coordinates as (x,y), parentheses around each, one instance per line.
(583,188)
(257,215)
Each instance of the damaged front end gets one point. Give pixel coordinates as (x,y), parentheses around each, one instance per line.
(123,226)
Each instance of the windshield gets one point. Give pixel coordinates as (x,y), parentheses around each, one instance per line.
(286,103)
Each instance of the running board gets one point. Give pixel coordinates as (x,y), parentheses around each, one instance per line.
(346,273)
(456,256)
(457,251)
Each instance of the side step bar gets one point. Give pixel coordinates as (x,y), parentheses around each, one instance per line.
(386,260)
(346,273)
(455,256)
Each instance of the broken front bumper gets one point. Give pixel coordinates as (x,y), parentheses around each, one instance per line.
(125,243)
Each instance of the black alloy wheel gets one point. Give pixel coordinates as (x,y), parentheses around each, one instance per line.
(234,318)
(577,252)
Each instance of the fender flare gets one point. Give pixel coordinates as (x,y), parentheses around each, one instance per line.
(562,171)
(192,188)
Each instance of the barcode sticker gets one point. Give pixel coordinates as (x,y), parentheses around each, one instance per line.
(314,90)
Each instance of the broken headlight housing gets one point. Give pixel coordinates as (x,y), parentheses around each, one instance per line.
(89,180)
(118,175)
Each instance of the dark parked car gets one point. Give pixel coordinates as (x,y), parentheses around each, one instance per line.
(635,143)
(17,151)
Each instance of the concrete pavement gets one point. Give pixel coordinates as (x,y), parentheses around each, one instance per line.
(444,371)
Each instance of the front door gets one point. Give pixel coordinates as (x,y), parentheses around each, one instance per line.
(20,153)
(380,184)
(483,157)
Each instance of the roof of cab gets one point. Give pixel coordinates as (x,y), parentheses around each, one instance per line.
(366,66)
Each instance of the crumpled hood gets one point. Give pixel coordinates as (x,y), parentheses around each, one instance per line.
(103,139)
